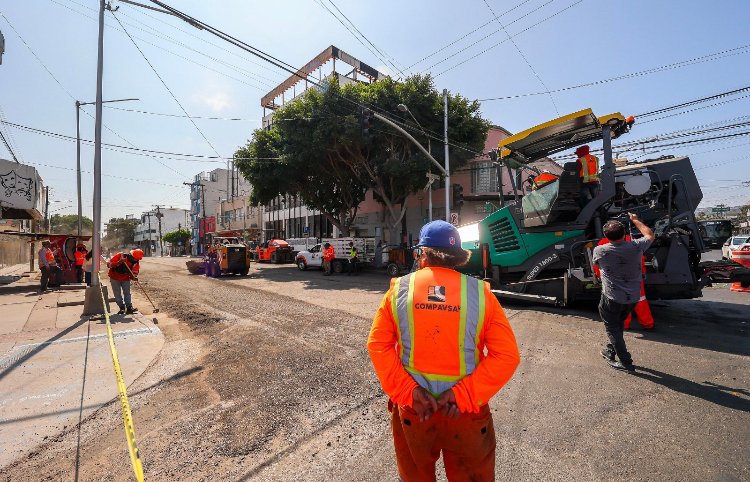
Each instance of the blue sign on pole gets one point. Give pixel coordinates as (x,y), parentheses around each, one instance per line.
(306,230)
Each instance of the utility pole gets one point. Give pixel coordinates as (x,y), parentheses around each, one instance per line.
(150,243)
(447,161)
(96,234)
(159,215)
(78,166)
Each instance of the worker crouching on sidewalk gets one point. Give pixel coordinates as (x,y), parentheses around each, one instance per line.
(124,267)
(427,344)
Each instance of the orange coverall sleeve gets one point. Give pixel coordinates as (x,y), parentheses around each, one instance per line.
(383,347)
(476,389)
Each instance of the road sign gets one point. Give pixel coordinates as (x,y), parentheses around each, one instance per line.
(432,177)
(720,210)
(306,230)
(454,219)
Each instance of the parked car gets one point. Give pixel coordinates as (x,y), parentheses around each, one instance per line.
(735,243)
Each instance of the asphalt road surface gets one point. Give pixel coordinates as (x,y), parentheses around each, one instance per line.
(267,377)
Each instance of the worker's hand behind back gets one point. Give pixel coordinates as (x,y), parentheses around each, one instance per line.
(447,404)
(423,403)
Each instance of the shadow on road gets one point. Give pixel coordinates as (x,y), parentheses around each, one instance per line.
(165,381)
(711,392)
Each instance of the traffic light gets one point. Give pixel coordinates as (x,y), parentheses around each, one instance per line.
(366,123)
(458,196)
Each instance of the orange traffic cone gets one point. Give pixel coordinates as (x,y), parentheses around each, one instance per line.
(738,287)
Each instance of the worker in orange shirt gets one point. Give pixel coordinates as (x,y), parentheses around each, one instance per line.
(544,178)
(124,267)
(328,254)
(80,256)
(427,344)
(588,170)
(642,309)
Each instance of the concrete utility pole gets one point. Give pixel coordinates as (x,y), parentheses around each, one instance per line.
(96,234)
(159,215)
(447,162)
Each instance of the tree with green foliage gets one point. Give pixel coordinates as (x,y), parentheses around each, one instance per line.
(120,233)
(68,224)
(179,237)
(315,147)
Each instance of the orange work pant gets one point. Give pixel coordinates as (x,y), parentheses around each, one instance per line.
(467,443)
(643,311)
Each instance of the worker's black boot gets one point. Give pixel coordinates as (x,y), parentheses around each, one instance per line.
(122,311)
(608,352)
(130,310)
(630,368)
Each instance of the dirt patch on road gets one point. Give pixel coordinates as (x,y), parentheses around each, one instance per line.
(261,375)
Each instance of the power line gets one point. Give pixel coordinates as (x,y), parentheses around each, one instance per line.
(383,56)
(503,41)
(10,149)
(73,97)
(180,115)
(694,102)
(464,36)
(525,59)
(166,86)
(127,149)
(743,49)
(490,35)
(160,35)
(695,109)
(281,64)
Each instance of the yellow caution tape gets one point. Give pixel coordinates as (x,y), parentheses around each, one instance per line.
(122,389)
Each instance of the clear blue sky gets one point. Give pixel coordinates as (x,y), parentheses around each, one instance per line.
(589,41)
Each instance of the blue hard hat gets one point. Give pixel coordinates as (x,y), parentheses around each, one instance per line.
(439,234)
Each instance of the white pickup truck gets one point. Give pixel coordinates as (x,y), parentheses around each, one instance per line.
(313,257)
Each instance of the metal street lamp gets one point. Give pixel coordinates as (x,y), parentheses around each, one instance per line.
(430,176)
(78,153)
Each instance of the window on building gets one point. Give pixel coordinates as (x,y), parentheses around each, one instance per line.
(484,178)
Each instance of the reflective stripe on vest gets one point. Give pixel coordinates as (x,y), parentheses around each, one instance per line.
(471,321)
(589,163)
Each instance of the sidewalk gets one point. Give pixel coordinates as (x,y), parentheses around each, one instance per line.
(55,366)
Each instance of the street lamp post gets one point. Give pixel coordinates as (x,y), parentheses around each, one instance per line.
(78,154)
(430,176)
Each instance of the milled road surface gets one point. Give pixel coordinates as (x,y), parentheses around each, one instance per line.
(267,378)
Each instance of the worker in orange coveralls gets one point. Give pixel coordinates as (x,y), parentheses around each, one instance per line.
(642,309)
(427,344)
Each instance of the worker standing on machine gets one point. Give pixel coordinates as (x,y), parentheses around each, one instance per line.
(124,267)
(588,170)
(620,264)
(427,344)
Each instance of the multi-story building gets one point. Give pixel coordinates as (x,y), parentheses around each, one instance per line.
(483,184)
(208,191)
(147,233)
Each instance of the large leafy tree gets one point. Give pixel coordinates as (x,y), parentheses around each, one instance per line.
(120,233)
(68,224)
(315,147)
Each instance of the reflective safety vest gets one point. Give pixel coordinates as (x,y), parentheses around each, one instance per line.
(589,168)
(328,254)
(543,178)
(439,320)
(50,257)
(80,256)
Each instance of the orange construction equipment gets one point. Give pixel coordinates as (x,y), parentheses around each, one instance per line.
(642,309)
(275,251)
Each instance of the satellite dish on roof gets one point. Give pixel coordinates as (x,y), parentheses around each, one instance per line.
(638,184)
